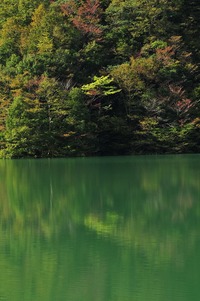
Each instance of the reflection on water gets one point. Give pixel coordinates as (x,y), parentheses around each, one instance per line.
(103,229)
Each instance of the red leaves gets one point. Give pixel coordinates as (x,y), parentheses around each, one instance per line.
(184,105)
(85,17)
(180,103)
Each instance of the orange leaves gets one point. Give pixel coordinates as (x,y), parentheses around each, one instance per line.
(165,55)
(85,17)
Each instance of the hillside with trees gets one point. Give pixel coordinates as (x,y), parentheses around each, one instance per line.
(99,77)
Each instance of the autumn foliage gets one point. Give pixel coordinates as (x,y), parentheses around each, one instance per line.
(99,77)
(85,15)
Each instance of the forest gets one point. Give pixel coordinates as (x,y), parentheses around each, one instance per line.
(99,77)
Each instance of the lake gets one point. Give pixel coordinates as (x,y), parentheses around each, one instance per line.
(100,229)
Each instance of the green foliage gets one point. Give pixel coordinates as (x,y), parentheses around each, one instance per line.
(102,77)
(81,138)
(100,86)
(18,131)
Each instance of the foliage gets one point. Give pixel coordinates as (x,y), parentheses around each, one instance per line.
(84,16)
(98,77)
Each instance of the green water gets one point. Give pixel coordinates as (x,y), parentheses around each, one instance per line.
(100,229)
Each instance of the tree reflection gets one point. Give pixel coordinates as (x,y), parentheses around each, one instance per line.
(58,214)
(118,195)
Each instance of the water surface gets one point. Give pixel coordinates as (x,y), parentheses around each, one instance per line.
(100,229)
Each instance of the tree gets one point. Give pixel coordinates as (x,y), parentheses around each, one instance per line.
(84,16)
(38,112)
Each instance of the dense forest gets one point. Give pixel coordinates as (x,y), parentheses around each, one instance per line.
(99,77)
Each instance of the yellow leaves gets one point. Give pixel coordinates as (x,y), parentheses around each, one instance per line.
(130,76)
(10,31)
(38,15)
(17,83)
(33,106)
(69,134)
(123,76)
(148,123)
(196,122)
(45,44)
(37,37)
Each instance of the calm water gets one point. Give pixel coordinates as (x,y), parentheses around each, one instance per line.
(100,229)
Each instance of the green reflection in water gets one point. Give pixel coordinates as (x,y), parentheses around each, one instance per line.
(103,229)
